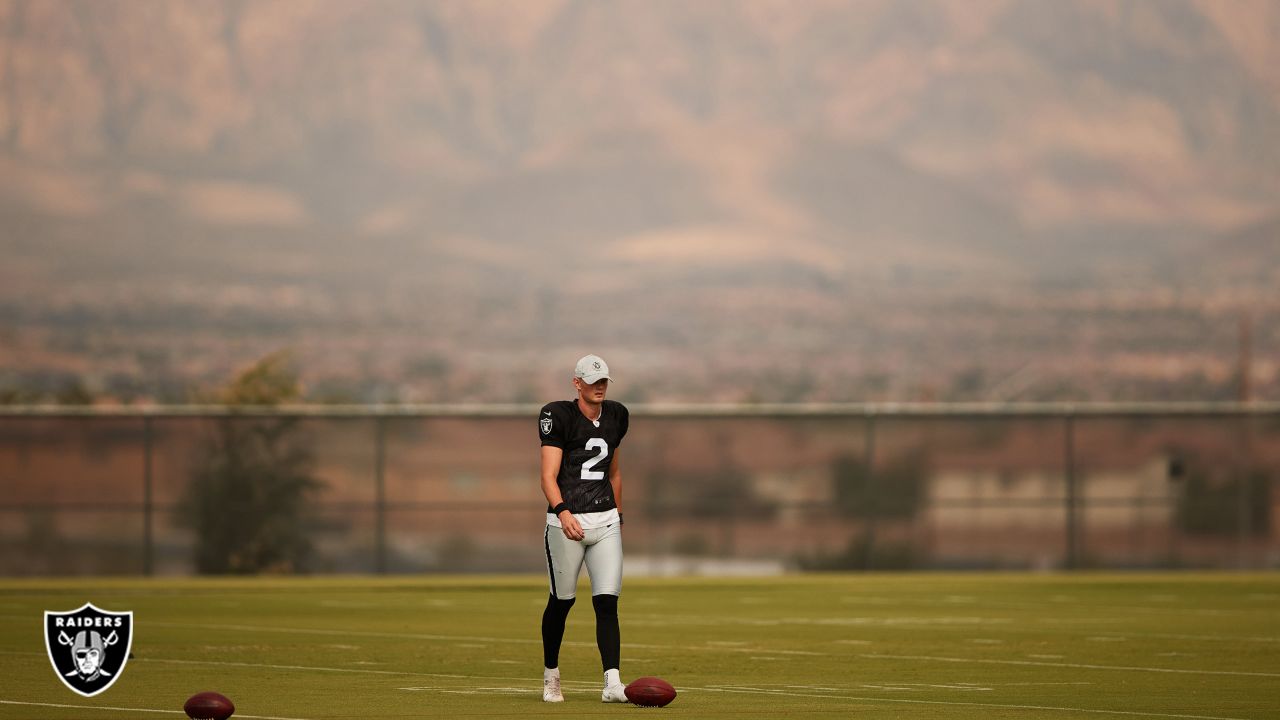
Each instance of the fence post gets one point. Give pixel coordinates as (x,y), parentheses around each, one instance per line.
(1244,492)
(654,506)
(380,494)
(868,493)
(1135,530)
(148,567)
(1069,465)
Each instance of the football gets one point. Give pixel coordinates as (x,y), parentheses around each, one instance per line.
(209,706)
(650,692)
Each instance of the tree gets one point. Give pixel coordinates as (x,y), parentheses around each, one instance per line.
(893,491)
(1223,501)
(249,493)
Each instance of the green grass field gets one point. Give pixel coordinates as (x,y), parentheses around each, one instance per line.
(869,646)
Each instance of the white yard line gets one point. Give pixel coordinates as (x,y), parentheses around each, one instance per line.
(1224,638)
(1085,666)
(532,678)
(1139,609)
(472,638)
(110,708)
(356,633)
(308,668)
(1131,713)
(871,656)
(937,623)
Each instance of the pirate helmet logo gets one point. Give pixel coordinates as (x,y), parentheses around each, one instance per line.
(88,647)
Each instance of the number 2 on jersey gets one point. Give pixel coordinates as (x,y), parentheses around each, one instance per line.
(587,472)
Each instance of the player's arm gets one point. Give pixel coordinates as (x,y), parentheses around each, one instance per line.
(551,457)
(615,479)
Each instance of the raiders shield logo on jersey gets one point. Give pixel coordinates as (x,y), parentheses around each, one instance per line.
(546,426)
(88,646)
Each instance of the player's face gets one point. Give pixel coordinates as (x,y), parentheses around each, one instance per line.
(593,393)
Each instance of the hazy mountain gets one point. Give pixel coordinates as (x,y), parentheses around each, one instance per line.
(372,159)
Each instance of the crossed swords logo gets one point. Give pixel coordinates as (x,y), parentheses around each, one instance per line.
(88,650)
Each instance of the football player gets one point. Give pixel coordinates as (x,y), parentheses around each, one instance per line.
(582,480)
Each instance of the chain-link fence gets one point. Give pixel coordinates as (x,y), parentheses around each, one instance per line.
(720,489)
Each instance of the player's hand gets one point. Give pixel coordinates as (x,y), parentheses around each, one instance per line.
(569,524)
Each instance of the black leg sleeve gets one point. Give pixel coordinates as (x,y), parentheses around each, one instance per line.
(607,636)
(553,629)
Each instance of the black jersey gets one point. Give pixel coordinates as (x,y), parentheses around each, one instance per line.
(588,451)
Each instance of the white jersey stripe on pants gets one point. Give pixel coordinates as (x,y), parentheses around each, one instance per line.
(601,550)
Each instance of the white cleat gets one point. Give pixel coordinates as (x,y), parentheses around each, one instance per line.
(614,694)
(551,686)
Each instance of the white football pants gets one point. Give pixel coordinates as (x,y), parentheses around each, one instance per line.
(601,549)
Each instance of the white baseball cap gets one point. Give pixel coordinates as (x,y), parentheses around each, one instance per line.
(592,369)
